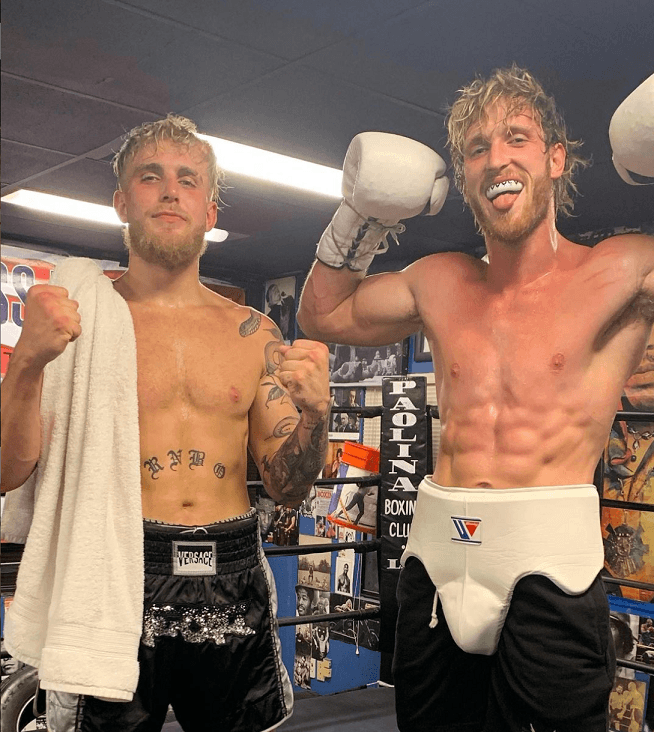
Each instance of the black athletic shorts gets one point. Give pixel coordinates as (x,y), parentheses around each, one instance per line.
(210,646)
(553,668)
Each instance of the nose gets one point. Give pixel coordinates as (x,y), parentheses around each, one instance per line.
(169,189)
(498,155)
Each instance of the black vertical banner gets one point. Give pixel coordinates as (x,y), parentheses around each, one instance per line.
(403,465)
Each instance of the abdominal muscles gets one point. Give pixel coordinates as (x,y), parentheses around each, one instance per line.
(512,447)
(193,472)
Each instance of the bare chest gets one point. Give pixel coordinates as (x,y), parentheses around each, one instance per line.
(193,361)
(539,345)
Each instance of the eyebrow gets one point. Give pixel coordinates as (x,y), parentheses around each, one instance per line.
(184,170)
(150,167)
(158,169)
(511,129)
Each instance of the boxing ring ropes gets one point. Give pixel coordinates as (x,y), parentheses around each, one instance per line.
(375,545)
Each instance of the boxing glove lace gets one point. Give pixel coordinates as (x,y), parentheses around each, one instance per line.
(386,178)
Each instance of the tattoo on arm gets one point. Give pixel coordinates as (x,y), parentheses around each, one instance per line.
(276,392)
(272,355)
(293,468)
(284,427)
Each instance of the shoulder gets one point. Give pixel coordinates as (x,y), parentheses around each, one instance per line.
(440,277)
(627,245)
(450,264)
(633,252)
(250,322)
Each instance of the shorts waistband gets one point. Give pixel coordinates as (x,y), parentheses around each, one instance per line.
(235,543)
(508,494)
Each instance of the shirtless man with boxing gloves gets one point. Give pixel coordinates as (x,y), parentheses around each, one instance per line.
(506,626)
(214,380)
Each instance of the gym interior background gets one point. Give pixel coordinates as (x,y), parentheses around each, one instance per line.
(301,78)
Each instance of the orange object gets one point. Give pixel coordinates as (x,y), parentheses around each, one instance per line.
(361,456)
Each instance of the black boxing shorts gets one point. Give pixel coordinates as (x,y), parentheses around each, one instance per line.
(210,646)
(553,668)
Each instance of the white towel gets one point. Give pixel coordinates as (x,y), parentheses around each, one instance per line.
(78,608)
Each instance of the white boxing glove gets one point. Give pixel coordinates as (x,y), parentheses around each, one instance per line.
(386,178)
(631,133)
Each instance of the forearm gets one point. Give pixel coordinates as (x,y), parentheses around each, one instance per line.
(326,299)
(21,422)
(292,470)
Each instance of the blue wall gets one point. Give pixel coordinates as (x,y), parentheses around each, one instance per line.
(352,667)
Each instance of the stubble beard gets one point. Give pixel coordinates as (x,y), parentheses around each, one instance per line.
(172,252)
(514,230)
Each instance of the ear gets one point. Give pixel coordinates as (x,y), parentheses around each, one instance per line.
(557,160)
(212,215)
(120,206)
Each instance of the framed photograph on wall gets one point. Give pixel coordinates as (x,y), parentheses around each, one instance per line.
(280,304)
(343,426)
(351,365)
(421,351)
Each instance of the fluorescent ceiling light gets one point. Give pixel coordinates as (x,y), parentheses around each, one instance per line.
(84,210)
(276,168)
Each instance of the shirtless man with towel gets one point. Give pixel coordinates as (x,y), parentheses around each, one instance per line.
(214,380)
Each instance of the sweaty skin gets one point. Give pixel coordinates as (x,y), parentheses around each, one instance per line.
(200,383)
(531,351)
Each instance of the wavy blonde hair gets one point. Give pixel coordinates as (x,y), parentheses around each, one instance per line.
(176,129)
(519,89)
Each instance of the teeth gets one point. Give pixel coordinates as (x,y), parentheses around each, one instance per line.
(506,186)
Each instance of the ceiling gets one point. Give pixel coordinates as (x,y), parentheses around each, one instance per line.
(299,77)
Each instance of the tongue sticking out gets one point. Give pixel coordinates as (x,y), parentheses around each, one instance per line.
(504,201)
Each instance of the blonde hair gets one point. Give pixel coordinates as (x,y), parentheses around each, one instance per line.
(519,89)
(176,129)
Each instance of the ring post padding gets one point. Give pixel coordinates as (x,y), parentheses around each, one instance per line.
(403,465)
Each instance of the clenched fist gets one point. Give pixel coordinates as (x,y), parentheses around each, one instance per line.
(304,372)
(51,322)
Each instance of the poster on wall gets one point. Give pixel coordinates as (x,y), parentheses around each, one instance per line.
(629,548)
(362,632)
(629,454)
(280,305)
(314,570)
(334,459)
(20,270)
(355,506)
(345,560)
(627,701)
(345,426)
(302,663)
(352,365)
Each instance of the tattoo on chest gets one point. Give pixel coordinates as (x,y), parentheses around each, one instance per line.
(196,459)
(251,325)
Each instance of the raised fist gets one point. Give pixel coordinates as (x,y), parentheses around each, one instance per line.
(304,372)
(51,322)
